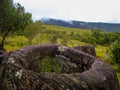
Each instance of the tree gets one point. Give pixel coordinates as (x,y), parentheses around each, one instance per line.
(114,51)
(32,30)
(96,34)
(12,19)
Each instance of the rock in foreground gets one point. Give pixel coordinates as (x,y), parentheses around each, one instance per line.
(20,70)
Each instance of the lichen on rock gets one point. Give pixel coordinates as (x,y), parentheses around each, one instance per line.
(18,74)
(62,48)
(11,60)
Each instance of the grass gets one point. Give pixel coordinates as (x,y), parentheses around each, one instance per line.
(66,29)
(16,42)
(118,75)
(101,51)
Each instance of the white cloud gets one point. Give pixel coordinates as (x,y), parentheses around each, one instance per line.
(86,10)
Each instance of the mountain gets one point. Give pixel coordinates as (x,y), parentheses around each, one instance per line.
(115,27)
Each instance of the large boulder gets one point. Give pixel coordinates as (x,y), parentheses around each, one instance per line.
(21,70)
(2,55)
(87,49)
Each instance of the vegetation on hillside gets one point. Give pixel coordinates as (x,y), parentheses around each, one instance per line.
(44,34)
(114,52)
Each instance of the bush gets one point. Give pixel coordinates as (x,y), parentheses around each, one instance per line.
(114,51)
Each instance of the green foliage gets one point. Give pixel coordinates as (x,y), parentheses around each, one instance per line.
(75,37)
(49,65)
(101,37)
(7,15)
(101,51)
(53,38)
(39,33)
(114,51)
(15,42)
(12,19)
(82,35)
(118,75)
(32,30)
(96,34)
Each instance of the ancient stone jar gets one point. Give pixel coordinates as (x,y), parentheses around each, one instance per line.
(21,70)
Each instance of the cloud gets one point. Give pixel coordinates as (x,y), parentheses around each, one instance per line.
(86,10)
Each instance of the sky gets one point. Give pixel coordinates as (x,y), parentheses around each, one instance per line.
(80,10)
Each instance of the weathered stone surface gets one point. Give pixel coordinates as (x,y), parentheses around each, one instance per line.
(20,72)
(87,49)
(2,55)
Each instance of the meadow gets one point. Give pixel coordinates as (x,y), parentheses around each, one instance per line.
(70,37)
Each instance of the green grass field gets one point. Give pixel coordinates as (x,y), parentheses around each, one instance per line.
(66,29)
(16,42)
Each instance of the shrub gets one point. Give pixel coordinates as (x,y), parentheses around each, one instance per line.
(114,51)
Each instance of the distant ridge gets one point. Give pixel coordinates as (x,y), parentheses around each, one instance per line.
(114,27)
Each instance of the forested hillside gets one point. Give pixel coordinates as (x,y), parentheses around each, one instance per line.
(115,27)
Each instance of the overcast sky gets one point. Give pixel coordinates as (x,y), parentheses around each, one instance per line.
(81,10)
